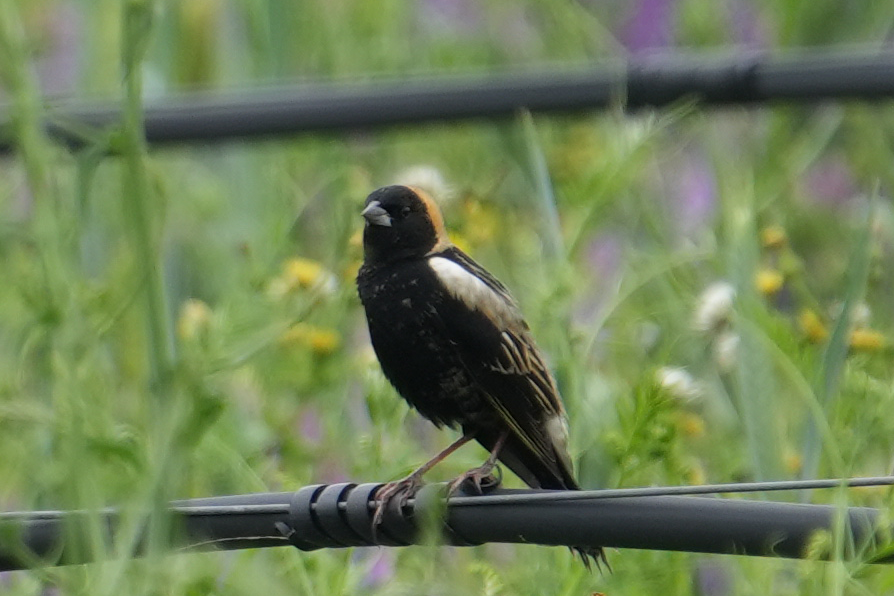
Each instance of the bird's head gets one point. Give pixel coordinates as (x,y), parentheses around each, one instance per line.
(401,222)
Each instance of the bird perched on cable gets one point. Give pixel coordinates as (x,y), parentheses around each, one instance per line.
(453,342)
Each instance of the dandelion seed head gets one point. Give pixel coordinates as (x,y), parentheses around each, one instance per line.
(715,307)
(726,351)
(428,178)
(677,382)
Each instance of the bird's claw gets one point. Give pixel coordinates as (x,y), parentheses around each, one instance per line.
(403,490)
(477,480)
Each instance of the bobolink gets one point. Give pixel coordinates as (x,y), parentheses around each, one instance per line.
(452,341)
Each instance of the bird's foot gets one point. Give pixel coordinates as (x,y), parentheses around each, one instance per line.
(477,480)
(403,490)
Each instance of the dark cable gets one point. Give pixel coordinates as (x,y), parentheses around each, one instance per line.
(338,516)
(743,78)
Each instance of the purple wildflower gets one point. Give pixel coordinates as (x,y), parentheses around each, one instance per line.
(58,68)
(746,27)
(381,570)
(692,195)
(831,182)
(450,18)
(650,27)
(310,426)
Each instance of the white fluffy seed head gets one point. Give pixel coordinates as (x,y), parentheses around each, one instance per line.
(726,351)
(428,178)
(860,314)
(677,382)
(715,308)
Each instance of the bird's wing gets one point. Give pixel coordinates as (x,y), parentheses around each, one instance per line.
(505,362)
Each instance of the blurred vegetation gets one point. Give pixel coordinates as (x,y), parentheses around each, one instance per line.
(714,294)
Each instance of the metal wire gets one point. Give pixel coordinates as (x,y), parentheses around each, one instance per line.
(664,491)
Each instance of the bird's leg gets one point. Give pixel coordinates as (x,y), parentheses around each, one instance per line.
(407,487)
(476,475)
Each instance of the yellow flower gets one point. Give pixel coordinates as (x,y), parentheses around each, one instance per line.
(195,317)
(769,281)
(792,461)
(773,236)
(320,340)
(299,273)
(691,425)
(867,340)
(812,326)
(303,272)
(324,341)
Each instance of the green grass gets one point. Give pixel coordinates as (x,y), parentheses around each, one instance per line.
(182,322)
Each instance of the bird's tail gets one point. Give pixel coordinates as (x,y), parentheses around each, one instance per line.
(555,475)
(590,556)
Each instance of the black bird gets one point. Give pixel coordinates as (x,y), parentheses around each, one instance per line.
(453,342)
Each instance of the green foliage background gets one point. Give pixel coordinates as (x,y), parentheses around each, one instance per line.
(182,322)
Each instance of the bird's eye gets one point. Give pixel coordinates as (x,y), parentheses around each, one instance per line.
(405,212)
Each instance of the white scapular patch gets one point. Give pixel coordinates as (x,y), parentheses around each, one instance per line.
(473,292)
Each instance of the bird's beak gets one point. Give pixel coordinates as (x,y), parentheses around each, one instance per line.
(376,215)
